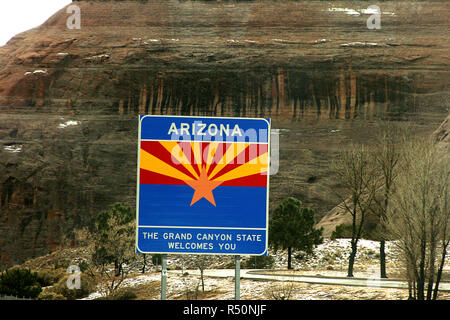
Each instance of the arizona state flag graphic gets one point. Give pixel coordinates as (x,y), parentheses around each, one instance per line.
(202,185)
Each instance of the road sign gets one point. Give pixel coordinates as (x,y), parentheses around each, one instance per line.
(203,185)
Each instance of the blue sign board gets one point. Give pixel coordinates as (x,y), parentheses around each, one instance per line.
(203,185)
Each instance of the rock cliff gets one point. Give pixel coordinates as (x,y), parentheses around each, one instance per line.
(69,99)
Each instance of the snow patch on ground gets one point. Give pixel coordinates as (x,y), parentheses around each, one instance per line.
(40,71)
(348,11)
(353,12)
(358,44)
(152,41)
(36,72)
(329,259)
(333,255)
(320,41)
(127,283)
(13,148)
(68,123)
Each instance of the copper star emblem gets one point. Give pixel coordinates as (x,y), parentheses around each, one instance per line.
(203,187)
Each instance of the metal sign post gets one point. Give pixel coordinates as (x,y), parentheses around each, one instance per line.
(237,278)
(164,277)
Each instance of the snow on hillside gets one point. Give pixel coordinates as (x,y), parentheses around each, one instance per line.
(334,254)
(330,258)
(331,253)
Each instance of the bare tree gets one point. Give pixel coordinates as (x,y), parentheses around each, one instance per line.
(387,154)
(418,216)
(202,262)
(357,176)
(144,262)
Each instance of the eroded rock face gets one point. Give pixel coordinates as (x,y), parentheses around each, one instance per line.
(69,99)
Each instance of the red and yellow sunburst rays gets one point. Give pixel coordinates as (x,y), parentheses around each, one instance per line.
(203,165)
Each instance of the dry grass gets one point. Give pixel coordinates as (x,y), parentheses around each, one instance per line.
(148,291)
